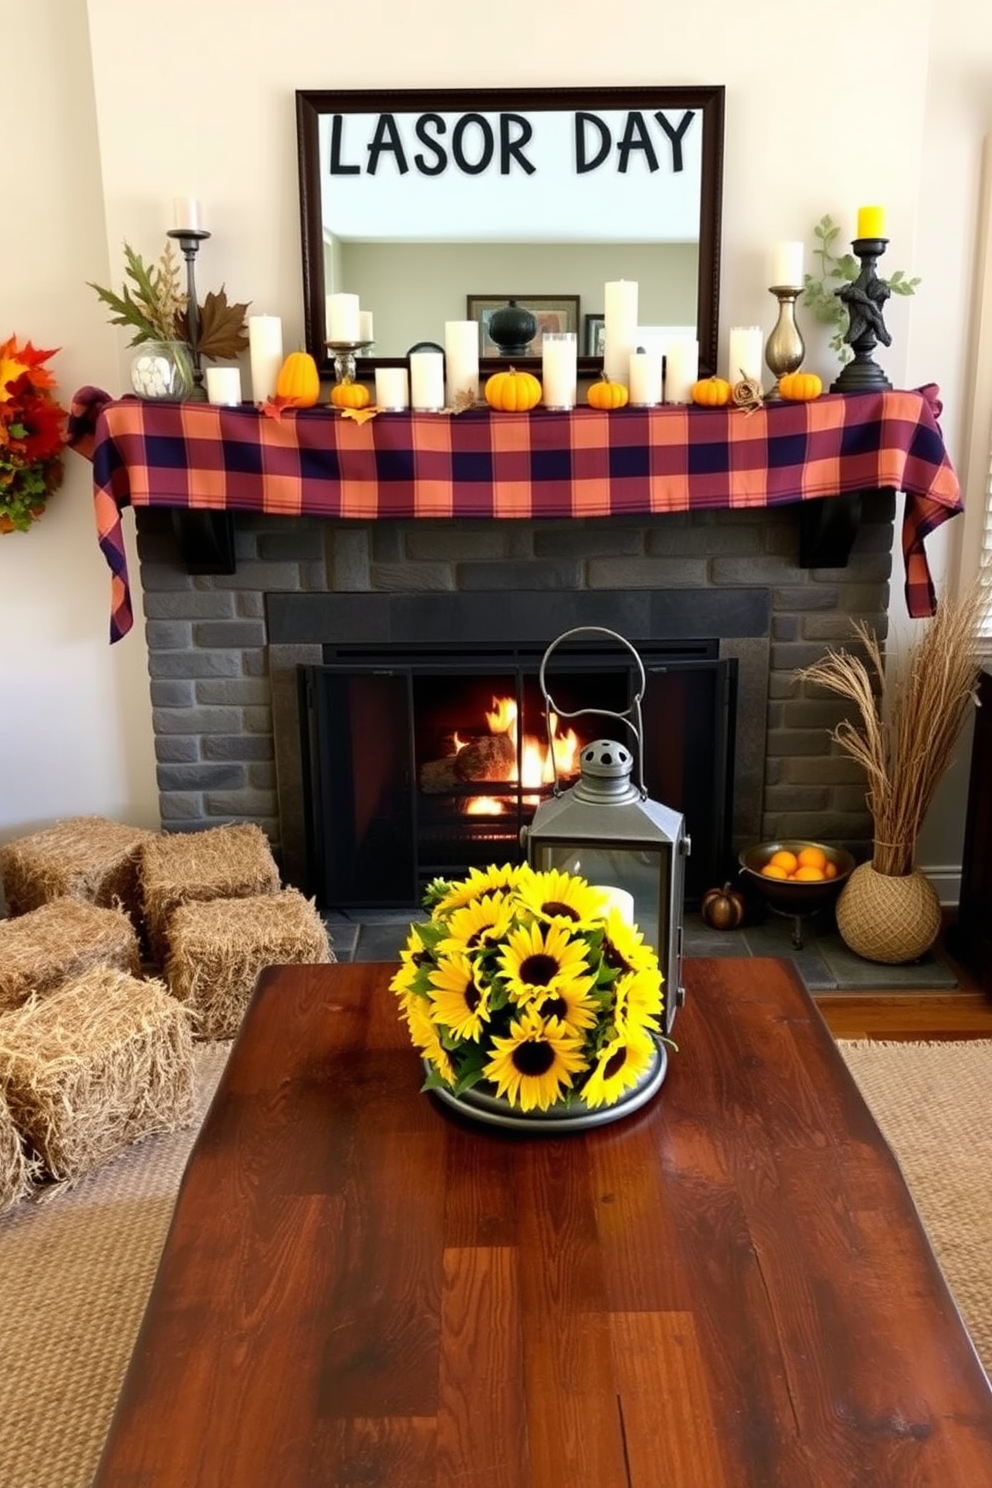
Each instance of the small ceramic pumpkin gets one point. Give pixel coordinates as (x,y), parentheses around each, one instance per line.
(350,395)
(723,909)
(512,391)
(298,381)
(711,392)
(607,394)
(800,387)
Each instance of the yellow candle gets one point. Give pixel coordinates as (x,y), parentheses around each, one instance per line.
(871,222)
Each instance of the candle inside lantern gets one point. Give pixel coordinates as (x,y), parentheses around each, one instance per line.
(787,266)
(559,369)
(681,369)
(343,318)
(746,349)
(427,381)
(461,359)
(187,214)
(265,354)
(619,328)
(645,378)
(611,897)
(871,222)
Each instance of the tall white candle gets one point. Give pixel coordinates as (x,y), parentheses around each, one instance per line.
(681,369)
(787,266)
(559,364)
(611,897)
(427,381)
(461,359)
(645,378)
(365,326)
(343,317)
(265,354)
(746,351)
(392,388)
(223,385)
(187,213)
(619,328)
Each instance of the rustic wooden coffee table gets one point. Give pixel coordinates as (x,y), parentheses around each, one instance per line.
(728,1289)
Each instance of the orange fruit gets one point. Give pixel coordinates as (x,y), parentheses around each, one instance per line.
(829,869)
(784,859)
(808,874)
(812,857)
(774,870)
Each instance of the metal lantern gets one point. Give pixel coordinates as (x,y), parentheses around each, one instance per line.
(608,830)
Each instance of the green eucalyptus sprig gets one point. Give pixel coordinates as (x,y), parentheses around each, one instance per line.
(820,291)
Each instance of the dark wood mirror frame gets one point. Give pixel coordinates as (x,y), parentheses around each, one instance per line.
(707,101)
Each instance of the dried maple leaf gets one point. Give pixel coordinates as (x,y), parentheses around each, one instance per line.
(360,415)
(273,407)
(222,334)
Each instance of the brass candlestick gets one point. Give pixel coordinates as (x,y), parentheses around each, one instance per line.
(785,347)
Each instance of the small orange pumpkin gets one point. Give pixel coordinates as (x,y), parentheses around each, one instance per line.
(800,387)
(711,392)
(512,391)
(607,394)
(298,381)
(350,395)
(723,909)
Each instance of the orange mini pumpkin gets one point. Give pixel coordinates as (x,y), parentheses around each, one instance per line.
(513,391)
(800,387)
(607,394)
(298,381)
(711,392)
(350,395)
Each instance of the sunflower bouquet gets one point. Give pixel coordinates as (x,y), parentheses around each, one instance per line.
(32,434)
(532,984)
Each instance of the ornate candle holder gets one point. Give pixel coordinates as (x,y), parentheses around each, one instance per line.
(864,299)
(343,352)
(785,347)
(189,240)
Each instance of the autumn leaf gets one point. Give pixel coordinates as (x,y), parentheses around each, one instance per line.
(360,415)
(222,333)
(273,407)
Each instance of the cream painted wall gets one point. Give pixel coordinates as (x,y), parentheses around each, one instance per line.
(824,111)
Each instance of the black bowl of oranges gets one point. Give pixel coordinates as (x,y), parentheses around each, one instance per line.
(796,877)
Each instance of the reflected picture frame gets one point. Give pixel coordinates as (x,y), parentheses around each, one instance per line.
(554,313)
(594,342)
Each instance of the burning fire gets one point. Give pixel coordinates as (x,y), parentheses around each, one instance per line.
(538,765)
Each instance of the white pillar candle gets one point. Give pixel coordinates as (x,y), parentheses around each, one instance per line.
(343,317)
(224,385)
(614,898)
(265,354)
(427,381)
(619,328)
(559,369)
(187,214)
(787,266)
(645,378)
(365,327)
(392,388)
(681,369)
(746,351)
(461,359)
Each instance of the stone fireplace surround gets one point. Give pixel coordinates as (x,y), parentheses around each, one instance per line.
(223,648)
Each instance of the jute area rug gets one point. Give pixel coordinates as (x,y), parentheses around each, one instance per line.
(76,1269)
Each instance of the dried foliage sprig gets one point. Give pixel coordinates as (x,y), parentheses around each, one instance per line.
(908,719)
(154,307)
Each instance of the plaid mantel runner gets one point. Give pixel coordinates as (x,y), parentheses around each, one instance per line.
(588,463)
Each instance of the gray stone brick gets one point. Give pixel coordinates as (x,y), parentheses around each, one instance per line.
(702,542)
(503,576)
(181,806)
(210,604)
(295,542)
(520,541)
(262,576)
(172,694)
(257,720)
(795,741)
(313,577)
(262,776)
(241,803)
(791,655)
(805,597)
(197,720)
(248,691)
(177,749)
(647,573)
(587,541)
(411,578)
(785,627)
(753,571)
(255,664)
(388,540)
(249,605)
(200,776)
(237,747)
(790,798)
(157,578)
(194,664)
(830,769)
(169,635)
(223,633)
(348,559)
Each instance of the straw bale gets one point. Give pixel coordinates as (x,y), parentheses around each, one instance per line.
(48,946)
(104,1061)
(218,948)
(85,857)
(230,862)
(16,1169)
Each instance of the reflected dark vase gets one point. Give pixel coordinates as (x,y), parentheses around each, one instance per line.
(513,329)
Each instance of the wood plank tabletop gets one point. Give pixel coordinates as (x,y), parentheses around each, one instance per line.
(729,1288)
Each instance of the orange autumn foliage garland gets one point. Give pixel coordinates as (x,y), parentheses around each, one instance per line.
(32,434)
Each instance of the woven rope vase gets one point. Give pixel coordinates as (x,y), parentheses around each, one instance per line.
(889,918)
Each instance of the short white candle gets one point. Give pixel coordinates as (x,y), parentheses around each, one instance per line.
(614,898)
(365,326)
(187,214)
(343,317)
(619,328)
(681,369)
(427,381)
(787,266)
(559,369)
(224,385)
(392,388)
(461,359)
(746,350)
(265,354)
(645,378)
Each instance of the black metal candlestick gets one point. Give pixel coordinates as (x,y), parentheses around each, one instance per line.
(865,299)
(189,240)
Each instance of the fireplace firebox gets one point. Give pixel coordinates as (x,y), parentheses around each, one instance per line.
(421,762)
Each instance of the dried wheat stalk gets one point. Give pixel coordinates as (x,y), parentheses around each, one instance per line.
(909,720)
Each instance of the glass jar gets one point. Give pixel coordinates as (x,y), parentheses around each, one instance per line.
(162,369)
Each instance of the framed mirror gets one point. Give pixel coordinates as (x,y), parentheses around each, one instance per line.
(422,203)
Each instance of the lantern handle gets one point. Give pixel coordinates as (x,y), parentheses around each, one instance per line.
(636,727)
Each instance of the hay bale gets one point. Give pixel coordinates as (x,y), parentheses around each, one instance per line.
(220,863)
(218,948)
(48,946)
(102,1062)
(16,1169)
(85,857)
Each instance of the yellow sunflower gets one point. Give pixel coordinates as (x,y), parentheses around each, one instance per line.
(539,961)
(457,1002)
(412,958)
(425,1037)
(620,1064)
(638,1001)
(535,1063)
(477,926)
(559,897)
(571,1003)
(479,881)
(624,946)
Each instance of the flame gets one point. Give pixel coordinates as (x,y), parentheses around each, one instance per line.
(484,806)
(539,766)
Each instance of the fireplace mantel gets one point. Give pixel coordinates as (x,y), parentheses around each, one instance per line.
(206,462)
